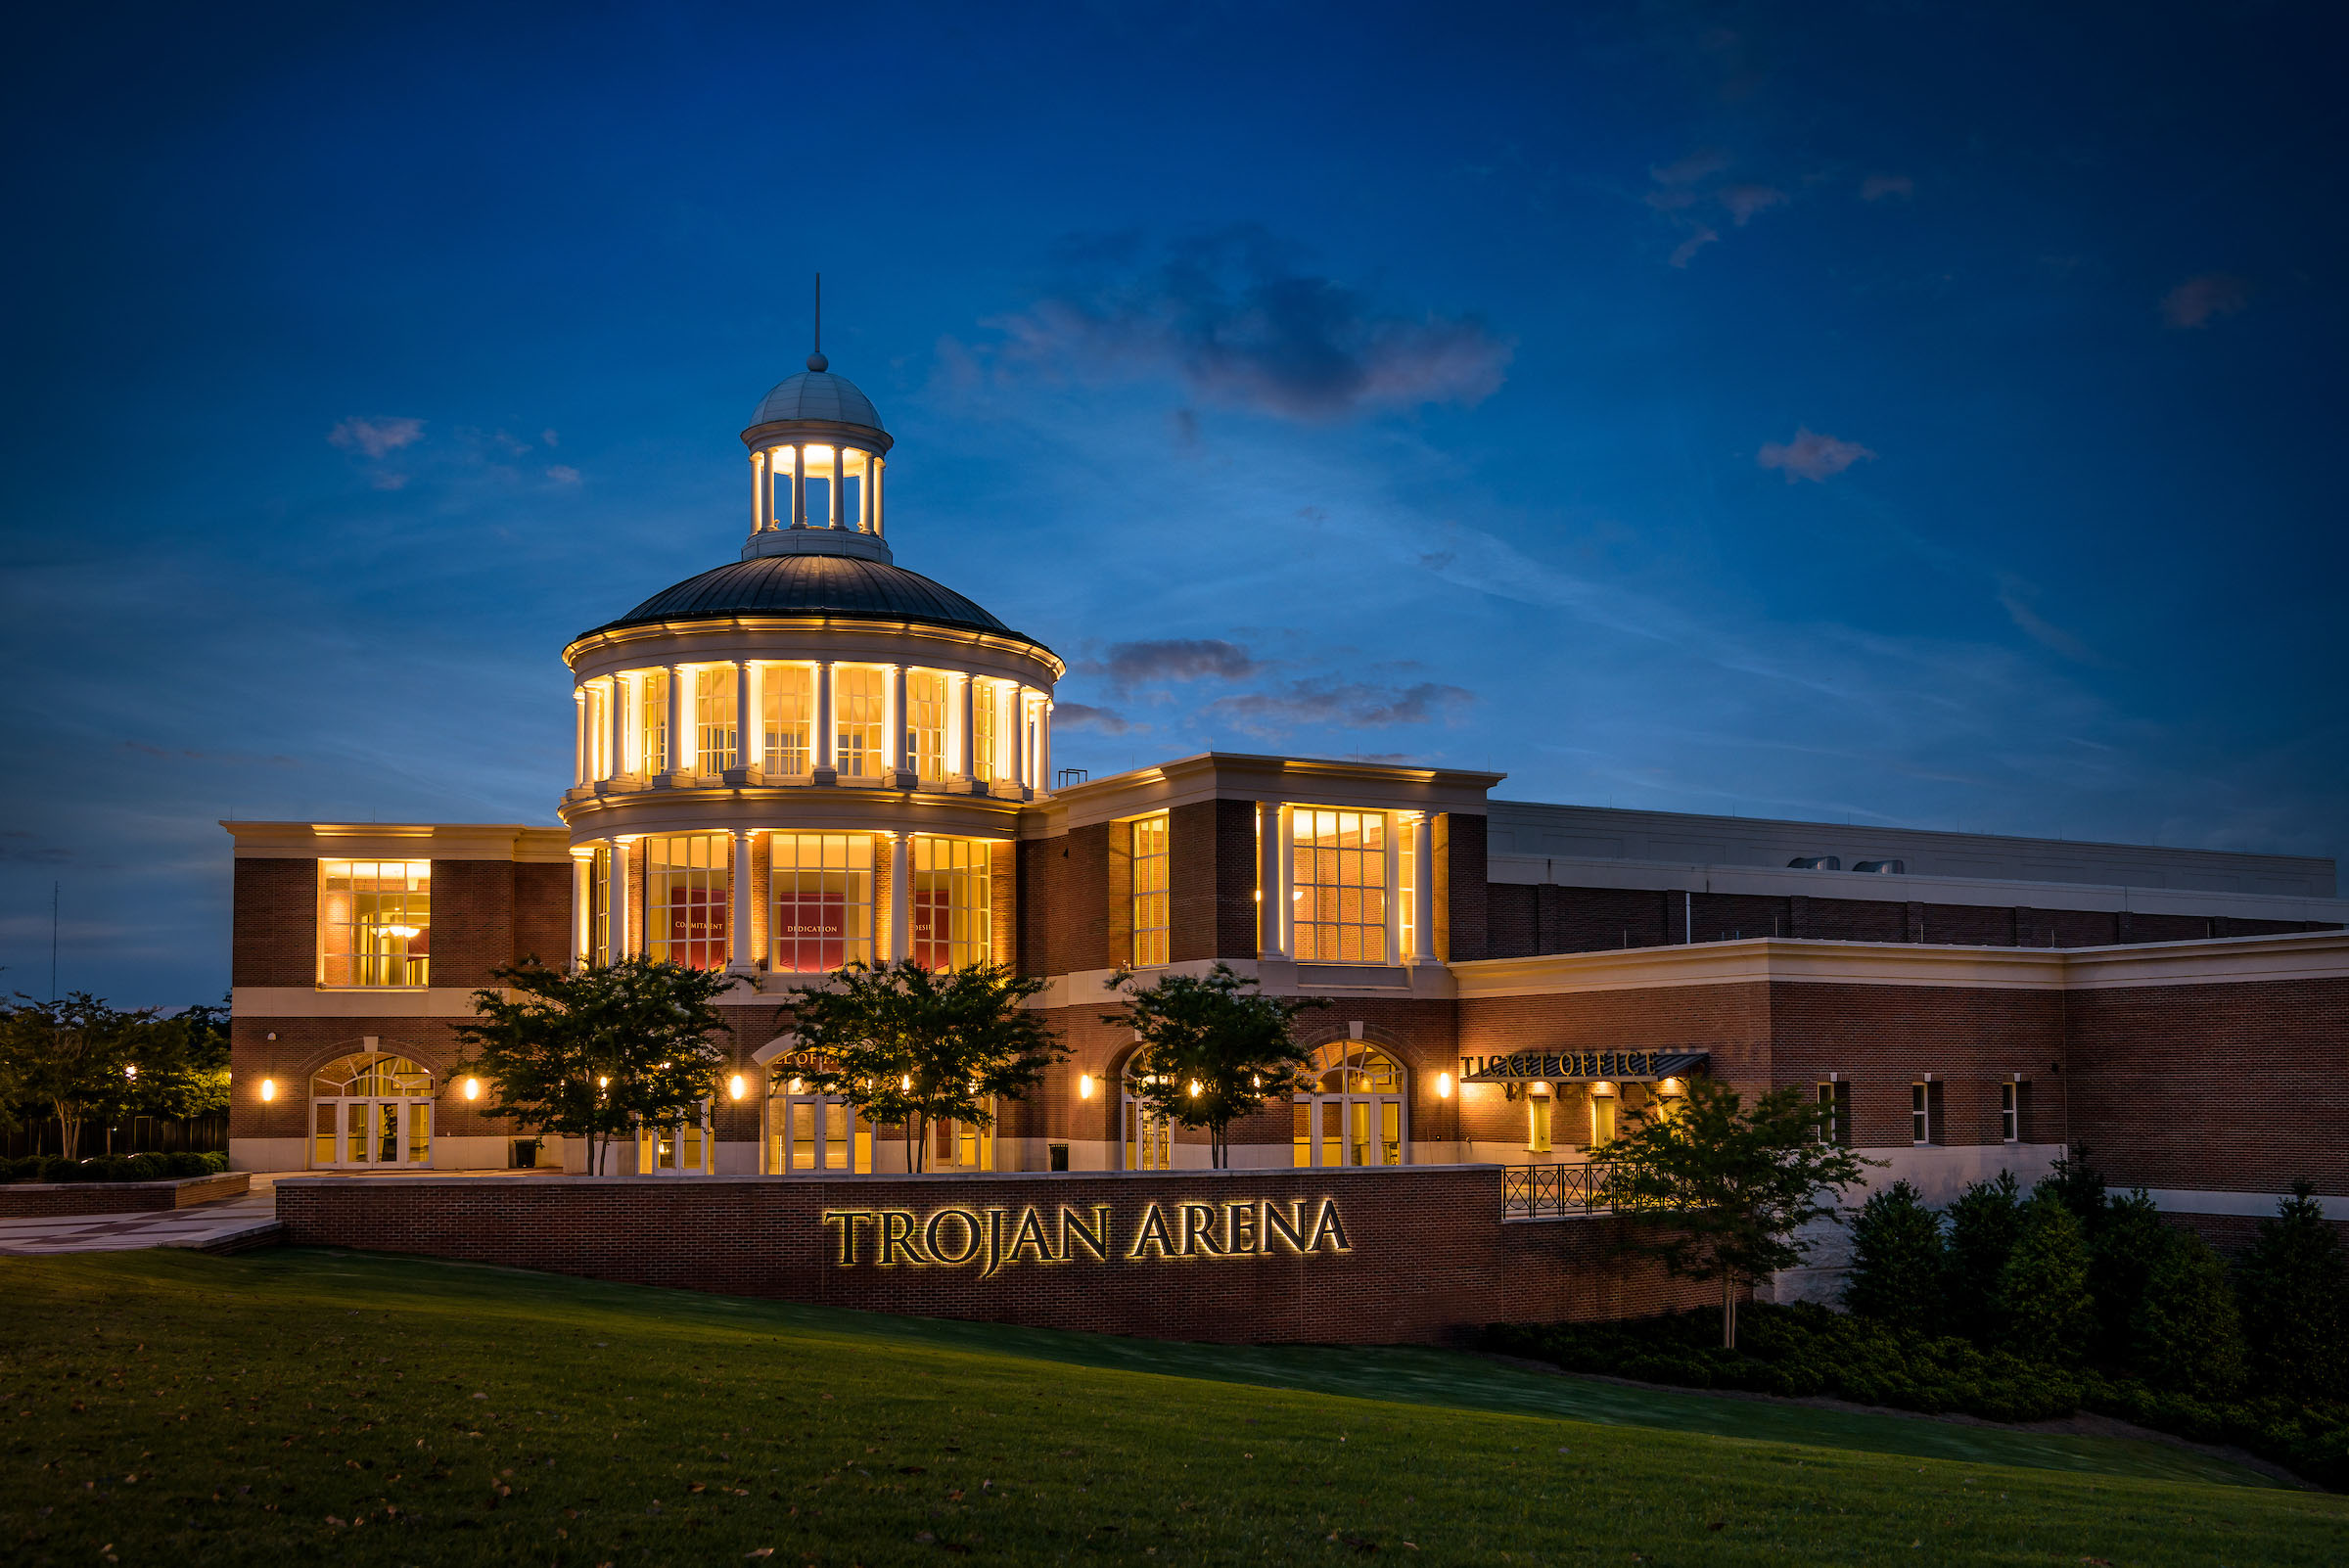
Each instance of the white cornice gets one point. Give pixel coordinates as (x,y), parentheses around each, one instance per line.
(307,1001)
(1286,780)
(398,841)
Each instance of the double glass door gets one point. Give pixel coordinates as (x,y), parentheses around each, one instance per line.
(1353,1112)
(816,1132)
(354,1132)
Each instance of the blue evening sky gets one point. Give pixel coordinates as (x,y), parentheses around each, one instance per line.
(1919,414)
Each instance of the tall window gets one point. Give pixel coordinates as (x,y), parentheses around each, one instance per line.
(949,906)
(986,726)
(823,900)
(1538,1103)
(1921,1111)
(655,744)
(926,722)
(1602,1115)
(714,718)
(1151,920)
(1340,885)
(2011,1113)
(860,715)
(1406,886)
(374,922)
(599,730)
(789,704)
(599,907)
(688,893)
(1149,1139)
(1835,1112)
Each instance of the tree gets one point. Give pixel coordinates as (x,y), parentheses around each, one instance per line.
(1716,1191)
(2043,1291)
(1214,1050)
(2122,1254)
(2185,1333)
(2077,1183)
(1899,1265)
(910,1045)
(183,1063)
(1984,1222)
(70,1056)
(2295,1301)
(597,1054)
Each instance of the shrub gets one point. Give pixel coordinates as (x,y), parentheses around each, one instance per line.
(2076,1185)
(2185,1334)
(2295,1302)
(214,1162)
(185,1163)
(2043,1291)
(2121,1256)
(1983,1224)
(1899,1263)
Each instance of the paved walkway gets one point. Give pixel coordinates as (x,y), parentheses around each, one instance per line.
(232,1222)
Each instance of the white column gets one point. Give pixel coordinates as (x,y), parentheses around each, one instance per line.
(774,469)
(1043,740)
(840,475)
(1394,860)
(1271,879)
(823,716)
(578,735)
(965,755)
(738,933)
(682,750)
(627,723)
(758,491)
(901,896)
(1020,776)
(742,713)
(864,493)
(754,735)
(1423,890)
(583,891)
(899,754)
(799,484)
(618,916)
(878,466)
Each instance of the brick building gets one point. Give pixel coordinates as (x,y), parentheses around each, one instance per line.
(810,755)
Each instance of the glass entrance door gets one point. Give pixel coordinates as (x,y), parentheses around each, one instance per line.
(353,1132)
(1353,1115)
(812,1134)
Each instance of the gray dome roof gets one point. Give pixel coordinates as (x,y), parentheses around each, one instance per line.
(814,585)
(818,394)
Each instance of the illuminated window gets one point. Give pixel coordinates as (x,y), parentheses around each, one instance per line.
(599,730)
(1149,1139)
(789,704)
(1151,921)
(599,907)
(374,922)
(1538,1103)
(860,715)
(926,722)
(714,718)
(951,924)
(987,764)
(1603,1103)
(961,1145)
(1340,880)
(822,886)
(1353,1113)
(683,1147)
(1407,870)
(373,1108)
(816,1132)
(688,893)
(654,746)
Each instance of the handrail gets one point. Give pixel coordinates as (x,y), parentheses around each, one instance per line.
(1530,1191)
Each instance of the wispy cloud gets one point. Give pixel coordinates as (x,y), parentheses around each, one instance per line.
(1126,665)
(1685,252)
(1811,455)
(376,438)
(2200,301)
(562,473)
(1233,318)
(1084,716)
(2015,596)
(1353,704)
(1743,202)
(1876,187)
(1684,189)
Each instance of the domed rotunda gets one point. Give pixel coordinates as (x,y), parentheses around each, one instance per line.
(810,754)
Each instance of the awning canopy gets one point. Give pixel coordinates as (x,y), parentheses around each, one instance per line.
(1581,1066)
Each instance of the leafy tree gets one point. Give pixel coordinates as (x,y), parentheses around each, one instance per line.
(2043,1291)
(910,1045)
(2121,1256)
(183,1063)
(1213,1050)
(2295,1301)
(1983,1223)
(1714,1190)
(2186,1332)
(595,1054)
(2076,1185)
(70,1056)
(1899,1263)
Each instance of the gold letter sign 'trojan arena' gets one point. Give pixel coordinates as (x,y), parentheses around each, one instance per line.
(994,1238)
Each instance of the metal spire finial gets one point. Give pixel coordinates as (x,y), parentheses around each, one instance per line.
(816,360)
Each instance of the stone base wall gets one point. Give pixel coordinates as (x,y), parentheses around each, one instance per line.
(1399,1256)
(37,1200)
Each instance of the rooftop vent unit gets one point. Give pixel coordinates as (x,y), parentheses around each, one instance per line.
(1815,862)
(1882,868)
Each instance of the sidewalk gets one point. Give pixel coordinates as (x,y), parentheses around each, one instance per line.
(247,1221)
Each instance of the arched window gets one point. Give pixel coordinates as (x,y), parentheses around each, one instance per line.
(371,1109)
(1353,1113)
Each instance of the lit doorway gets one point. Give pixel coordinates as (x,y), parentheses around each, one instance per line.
(371,1111)
(1353,1113)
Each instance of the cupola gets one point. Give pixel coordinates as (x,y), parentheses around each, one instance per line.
(817,453)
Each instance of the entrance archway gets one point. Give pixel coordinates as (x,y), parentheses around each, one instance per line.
(1353,1112)
(371,1110)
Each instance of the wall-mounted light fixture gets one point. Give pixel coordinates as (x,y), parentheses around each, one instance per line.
(1194,1088)
(1084,1085)
(1442,1086)
(734,1085)
(905,1084)
(473,1089)
(130,1070)
(269,1088)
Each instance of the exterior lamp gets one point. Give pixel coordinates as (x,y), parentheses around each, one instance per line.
(1194,1088)
(130,1070)
(1084,1085)
(792,1087)
(603,1082)
(269,1088)
(1256,1081)
(734,1085)
(473,1089)
(1442,1086)
(905,1084)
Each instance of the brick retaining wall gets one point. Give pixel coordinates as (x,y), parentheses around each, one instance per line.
(38,1200)
(1427,1258)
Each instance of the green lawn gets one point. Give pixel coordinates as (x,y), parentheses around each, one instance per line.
(293,1406)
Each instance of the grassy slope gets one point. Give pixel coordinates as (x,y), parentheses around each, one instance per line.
(343,1388)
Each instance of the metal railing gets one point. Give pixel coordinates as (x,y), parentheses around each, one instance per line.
(1535,1191)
